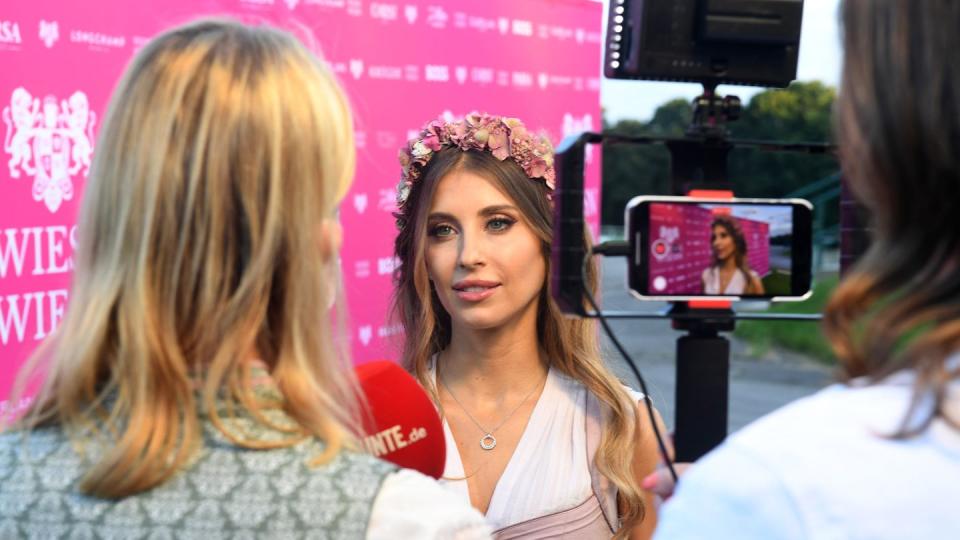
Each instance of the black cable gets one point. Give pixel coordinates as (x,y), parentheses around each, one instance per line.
(633,366)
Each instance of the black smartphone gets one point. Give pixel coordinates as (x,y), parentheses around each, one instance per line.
(684,248)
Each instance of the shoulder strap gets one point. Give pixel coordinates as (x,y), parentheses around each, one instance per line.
(603,489)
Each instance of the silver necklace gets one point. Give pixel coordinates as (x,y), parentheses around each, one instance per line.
(488,441)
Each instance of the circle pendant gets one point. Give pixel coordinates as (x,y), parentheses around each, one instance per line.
(488,442)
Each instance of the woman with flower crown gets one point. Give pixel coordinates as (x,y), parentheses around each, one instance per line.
(541,437)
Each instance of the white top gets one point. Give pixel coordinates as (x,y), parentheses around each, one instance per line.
(536,482)
(737,284)
(821,468)
(412,505)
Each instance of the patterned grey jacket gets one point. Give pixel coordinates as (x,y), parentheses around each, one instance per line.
(226,492)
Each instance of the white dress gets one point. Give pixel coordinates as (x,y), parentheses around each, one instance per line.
(737,284)
(550,470)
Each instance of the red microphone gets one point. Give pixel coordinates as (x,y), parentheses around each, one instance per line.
(402,426)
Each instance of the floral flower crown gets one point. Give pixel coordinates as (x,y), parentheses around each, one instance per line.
(502,137)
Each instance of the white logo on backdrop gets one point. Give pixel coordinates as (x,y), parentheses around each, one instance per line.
(437,17)
(522,79)
(49,32)
(10,32)
(411,72)
(50,143)
(410,12)
(504,24)
(460,19)
(384,12)
(573,125)
(543,31)
(361,268)
(482,75)
(360,139)
(356,68)
(386,265)
(360,202)
(386,139)
(413,134)
(522,28)
(503,78)
(436,73)
(355,8)
(292,4)
(98,40)
(387,201)
(579,35)
(365,333)
(461,73)
(542,80)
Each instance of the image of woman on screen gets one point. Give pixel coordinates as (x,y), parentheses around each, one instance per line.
(729,273)
(511,375)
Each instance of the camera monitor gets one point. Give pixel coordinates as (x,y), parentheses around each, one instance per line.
(746,42)
(683,248)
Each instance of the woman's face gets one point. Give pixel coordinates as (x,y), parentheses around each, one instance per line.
(722,243)
(485,262)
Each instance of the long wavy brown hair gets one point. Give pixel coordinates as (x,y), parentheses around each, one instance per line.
(898,122)
(571,344)
(732,226)
(223,149)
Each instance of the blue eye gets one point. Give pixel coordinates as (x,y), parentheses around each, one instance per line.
(499,224)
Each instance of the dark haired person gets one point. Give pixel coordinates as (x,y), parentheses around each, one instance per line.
(729,272)
(878,456)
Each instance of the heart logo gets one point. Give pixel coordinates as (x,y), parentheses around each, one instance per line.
(410,12)
(542,80)
(365,333)
(356,68)
(461,72)
(504,24)
(360,202)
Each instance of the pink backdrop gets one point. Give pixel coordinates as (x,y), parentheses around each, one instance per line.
(683,231)
(402,64)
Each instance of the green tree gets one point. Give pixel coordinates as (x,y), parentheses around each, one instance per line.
(800,113)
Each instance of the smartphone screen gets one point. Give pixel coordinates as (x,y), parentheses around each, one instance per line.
(741,248)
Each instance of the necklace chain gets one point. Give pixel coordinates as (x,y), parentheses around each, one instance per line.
(488,441)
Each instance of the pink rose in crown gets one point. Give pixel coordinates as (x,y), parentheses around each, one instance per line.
(503,137)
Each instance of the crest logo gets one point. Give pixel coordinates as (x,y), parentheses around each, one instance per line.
(49,32)
(365,333)
(461,73)
(504,24)
(542,80)
(579,35)
(356,68)
(51,142)
(360,202)
(410,12)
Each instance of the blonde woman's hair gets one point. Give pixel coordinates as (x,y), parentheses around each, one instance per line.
(570,344)
(223,149)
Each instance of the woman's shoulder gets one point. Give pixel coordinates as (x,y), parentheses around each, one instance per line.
(571,385)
